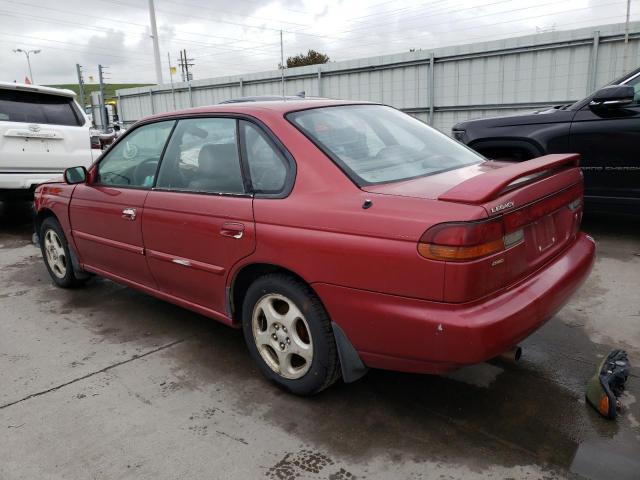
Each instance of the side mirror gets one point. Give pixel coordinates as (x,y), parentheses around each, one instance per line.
(613,96)
(75,175)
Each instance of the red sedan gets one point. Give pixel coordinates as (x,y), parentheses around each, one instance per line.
(338,236)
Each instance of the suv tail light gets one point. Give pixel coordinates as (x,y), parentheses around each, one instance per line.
(464,241)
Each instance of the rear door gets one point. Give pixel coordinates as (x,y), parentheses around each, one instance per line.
(198,220)
(41,132)
(106,213)
(608,144)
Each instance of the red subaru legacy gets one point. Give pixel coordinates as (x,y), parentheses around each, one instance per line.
(338,236)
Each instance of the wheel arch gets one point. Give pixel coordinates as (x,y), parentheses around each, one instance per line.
(526,147)
(351,364)
(244,277)
(40,216)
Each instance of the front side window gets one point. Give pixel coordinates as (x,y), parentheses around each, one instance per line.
(133,161)
(377,144)
(267,166)
(33,107)
(202,156)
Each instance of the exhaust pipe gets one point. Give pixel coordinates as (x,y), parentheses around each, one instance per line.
(510,356)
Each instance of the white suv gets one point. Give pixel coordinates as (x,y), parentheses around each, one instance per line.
(42,131)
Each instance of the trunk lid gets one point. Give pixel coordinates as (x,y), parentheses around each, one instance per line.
(539,203)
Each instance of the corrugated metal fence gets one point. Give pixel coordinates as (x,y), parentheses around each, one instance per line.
(441,87)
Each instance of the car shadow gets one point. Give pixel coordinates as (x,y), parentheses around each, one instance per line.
(600,224)
(16,219)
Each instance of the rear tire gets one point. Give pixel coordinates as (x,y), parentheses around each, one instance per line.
(56,254)
(289,335)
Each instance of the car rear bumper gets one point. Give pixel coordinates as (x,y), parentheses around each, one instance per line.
(405,334)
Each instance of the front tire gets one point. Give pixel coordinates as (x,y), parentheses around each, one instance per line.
(56,254)
(289,335)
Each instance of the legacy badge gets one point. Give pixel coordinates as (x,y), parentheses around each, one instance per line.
(502,206)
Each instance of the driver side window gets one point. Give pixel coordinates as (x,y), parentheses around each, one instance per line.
(134,160)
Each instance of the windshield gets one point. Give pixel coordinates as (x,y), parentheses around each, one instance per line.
(378,144)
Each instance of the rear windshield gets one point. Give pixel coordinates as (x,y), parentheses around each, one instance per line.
(378,144)
(32,107)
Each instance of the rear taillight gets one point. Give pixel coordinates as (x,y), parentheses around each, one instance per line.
(464,241)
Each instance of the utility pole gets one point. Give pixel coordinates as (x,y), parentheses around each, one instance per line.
(282,65)
(185,63)
(103,113)
(156,45)
(80,85)
(181,63)
(173,93)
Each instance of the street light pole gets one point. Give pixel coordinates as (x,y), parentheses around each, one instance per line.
(626,38)
(282,65)
(156,45)
(27,53)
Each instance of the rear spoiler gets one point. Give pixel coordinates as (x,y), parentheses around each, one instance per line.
(488,186)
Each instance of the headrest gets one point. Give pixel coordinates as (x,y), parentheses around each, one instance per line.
(218,158)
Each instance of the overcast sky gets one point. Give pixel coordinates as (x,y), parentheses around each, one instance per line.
(232,37)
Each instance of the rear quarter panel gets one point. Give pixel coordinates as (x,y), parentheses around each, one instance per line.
(322,233)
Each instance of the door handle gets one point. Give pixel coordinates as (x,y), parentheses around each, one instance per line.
(233,230)
(129,213)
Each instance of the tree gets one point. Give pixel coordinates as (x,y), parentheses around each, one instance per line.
(310,58)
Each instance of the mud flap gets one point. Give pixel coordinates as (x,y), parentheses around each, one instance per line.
(604,388)
(350,363)
(75,263)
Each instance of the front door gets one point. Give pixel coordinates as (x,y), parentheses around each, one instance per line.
(106,213)
(198,220)
(608,141)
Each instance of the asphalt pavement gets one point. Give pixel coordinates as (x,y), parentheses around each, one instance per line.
(107,383)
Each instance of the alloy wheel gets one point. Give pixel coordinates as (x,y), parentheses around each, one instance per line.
(282,336)
(56,256)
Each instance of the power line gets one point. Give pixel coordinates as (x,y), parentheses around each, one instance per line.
(218,11)
(84,26)
(90,51)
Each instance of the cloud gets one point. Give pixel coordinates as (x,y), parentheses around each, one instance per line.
(226,38)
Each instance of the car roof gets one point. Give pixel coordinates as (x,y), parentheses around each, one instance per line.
(36,89)
(255,108)
(261,98)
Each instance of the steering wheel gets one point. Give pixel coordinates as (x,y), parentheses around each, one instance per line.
(144,169)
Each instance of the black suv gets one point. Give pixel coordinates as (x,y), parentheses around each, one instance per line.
(603,128)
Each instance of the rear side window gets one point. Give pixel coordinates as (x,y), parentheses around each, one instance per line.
(267,166)
(31,107)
